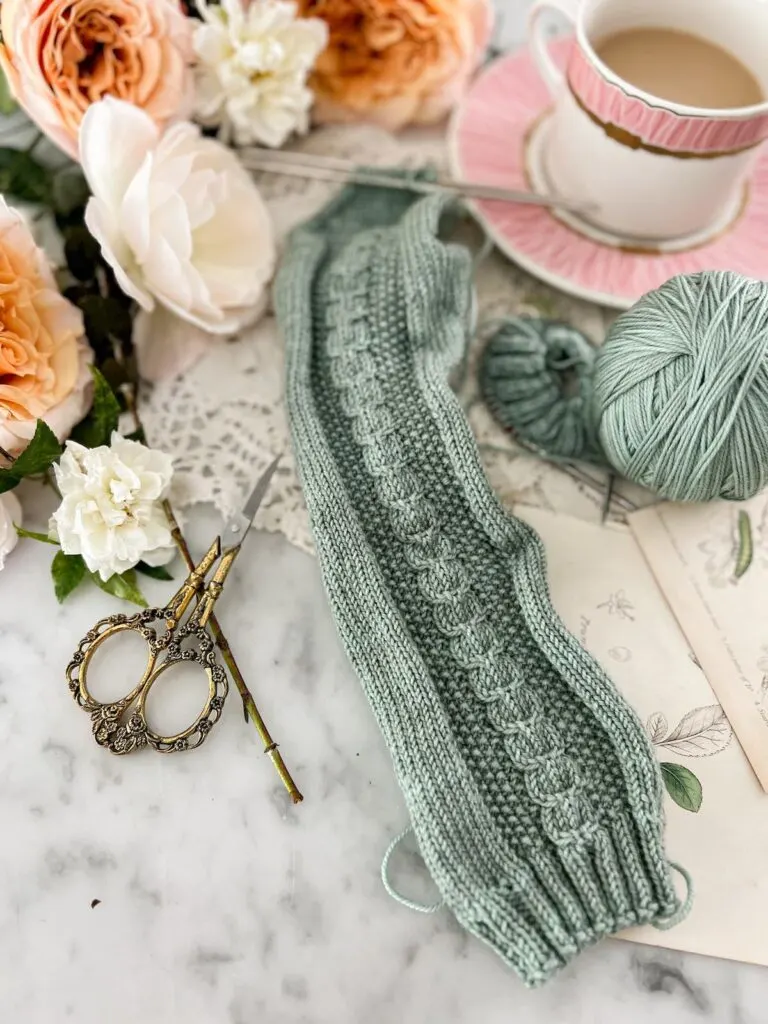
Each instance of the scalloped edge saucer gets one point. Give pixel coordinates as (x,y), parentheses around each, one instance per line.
(490,139)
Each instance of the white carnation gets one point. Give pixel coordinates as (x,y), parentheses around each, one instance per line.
(110,511)
(10,514)
(252,69)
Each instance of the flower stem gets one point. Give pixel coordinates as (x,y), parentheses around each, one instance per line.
(34,143)
(249,704)
(250,709)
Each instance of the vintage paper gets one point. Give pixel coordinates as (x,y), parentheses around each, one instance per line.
(711,562)
(606,594)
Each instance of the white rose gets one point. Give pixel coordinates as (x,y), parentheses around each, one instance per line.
(166,346)
(110,510)
(10,514)
(178,219)
(253,63)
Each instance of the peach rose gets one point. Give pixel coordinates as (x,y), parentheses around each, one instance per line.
(44,357)
(396,62)
(62,55)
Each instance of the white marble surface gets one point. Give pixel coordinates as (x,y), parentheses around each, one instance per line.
(221,902)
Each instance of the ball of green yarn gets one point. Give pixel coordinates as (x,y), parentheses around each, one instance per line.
(675,400)
(680,389)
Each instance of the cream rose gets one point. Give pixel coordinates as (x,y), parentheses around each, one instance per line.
(60,56)
(178,219)
(44,357)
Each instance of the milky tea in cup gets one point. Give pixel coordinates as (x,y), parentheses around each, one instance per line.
(658,114)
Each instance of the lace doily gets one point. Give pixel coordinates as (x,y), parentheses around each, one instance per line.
(224,420)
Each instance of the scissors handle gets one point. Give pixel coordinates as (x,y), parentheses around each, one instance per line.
(121,726)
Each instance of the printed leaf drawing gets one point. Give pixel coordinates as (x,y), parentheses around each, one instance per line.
(584,626)
(619,604)
(657,727)
(700,733)
(682,785)
(762,666)
(745,549)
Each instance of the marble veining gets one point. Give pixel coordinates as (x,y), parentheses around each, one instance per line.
(188,888)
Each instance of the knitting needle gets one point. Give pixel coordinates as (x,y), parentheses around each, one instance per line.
(575,473)
(328,169)
(608,495)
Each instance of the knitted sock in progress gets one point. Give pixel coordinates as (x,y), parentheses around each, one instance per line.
(533,791)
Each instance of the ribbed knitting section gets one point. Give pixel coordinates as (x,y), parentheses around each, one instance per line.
(533,791)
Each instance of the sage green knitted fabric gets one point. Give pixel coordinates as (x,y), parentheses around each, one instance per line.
(533,791)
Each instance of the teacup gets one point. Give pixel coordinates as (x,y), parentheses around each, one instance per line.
(650,169)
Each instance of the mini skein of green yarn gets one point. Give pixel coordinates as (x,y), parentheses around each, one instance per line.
(675,400)
(536,377)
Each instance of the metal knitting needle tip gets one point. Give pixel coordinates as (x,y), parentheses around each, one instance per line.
(610,483)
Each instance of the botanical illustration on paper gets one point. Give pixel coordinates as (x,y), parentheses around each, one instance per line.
(737,543)
(762,667)
(701,732)
(619,604)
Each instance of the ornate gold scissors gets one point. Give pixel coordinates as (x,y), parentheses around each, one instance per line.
(121,726)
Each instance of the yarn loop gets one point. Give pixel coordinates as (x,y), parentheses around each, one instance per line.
(676,399)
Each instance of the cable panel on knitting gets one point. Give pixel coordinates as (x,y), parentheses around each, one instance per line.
(533,745)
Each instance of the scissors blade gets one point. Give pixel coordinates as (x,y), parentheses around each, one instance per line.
(259,491)
(236,529)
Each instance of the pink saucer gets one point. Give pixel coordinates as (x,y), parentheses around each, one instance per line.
(492,140)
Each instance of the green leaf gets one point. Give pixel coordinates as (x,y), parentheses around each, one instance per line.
(41,451)
(157,572)
(68,572)
(682,785)
(8,481)
(81,251)
(116,374)
(7,102)
(22,177)
(77,293)
(43,537)
(124,587)
(69,191)
(106,317)
(96,429)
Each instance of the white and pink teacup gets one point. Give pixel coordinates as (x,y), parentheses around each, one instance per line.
(649,170)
